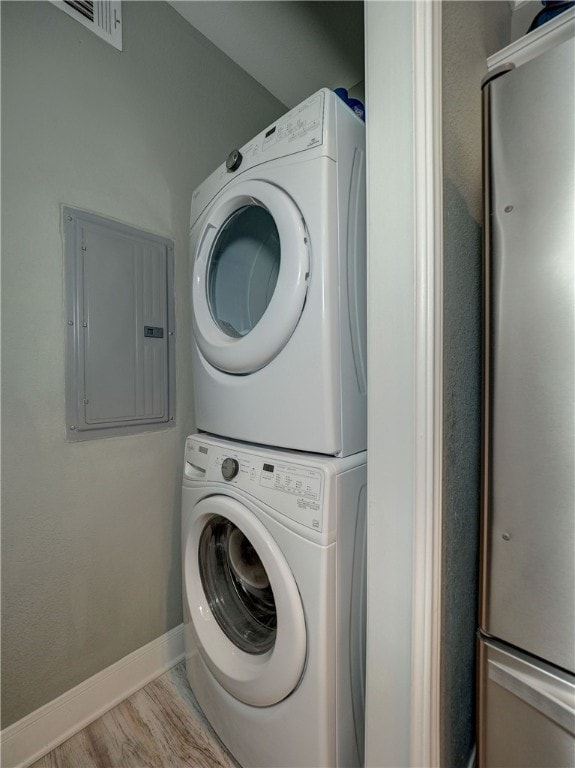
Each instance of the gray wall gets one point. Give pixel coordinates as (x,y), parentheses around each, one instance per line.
(90,531)
(471,32)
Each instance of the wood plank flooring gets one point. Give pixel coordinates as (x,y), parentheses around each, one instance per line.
(159,726)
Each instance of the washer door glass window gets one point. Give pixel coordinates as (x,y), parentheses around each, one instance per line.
(251,269)
(245,609)
(237,586)
(243,270)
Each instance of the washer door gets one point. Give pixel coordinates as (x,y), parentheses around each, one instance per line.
(250,273)
(244,603)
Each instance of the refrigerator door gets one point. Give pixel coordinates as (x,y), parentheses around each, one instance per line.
(526,711)
(528,574)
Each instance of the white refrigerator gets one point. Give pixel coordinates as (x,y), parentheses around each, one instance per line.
(526,645)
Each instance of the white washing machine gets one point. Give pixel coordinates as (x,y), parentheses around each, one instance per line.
(274,601)
(278,257)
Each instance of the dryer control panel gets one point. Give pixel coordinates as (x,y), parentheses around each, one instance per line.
(302,128)
(292,489)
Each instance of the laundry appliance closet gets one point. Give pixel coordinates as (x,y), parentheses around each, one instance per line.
(277,249)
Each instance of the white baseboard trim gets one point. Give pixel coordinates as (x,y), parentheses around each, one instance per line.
(39,732)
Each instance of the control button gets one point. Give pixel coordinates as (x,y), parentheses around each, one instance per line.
(230,468)
(234,160)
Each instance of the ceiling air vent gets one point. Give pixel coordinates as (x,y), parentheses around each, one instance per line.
(103,17)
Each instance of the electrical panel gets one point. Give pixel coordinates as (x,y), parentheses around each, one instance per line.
(120,376)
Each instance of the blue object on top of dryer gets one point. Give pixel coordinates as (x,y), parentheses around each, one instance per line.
(278,259)
(355,104)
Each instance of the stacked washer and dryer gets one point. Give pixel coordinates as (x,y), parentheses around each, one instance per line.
(274,489)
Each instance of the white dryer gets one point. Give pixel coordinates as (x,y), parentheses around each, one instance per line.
(278,257)
(274,601)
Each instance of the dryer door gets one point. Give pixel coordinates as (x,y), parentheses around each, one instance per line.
(244,603)
(250,273)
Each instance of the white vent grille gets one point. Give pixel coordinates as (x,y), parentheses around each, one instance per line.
(103,17)
(86,9)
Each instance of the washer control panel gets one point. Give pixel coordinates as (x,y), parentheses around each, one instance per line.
(290,478)
(292,489)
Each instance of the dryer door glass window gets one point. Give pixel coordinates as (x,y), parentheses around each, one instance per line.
(251,267)
(237,586)
(243,270)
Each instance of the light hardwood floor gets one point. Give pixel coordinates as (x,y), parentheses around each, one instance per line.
(159,726)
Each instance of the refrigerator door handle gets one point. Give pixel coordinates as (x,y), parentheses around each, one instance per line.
(543,697)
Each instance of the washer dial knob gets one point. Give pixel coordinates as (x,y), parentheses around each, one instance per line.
(230,468)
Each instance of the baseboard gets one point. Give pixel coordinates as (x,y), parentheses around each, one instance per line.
(39,732)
